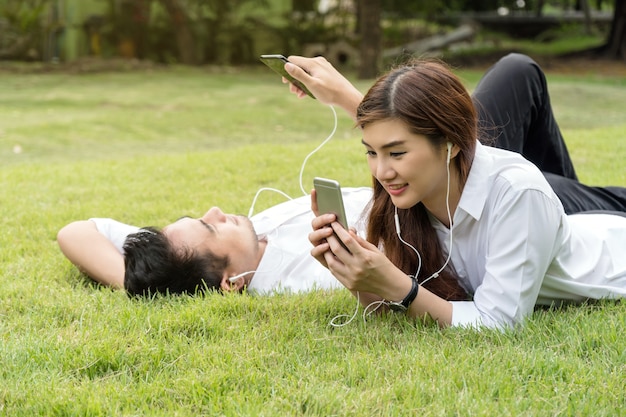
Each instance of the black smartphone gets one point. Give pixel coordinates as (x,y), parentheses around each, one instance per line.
(277,63)
(330,200)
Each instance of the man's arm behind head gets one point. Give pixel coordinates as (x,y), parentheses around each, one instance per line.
(154,266)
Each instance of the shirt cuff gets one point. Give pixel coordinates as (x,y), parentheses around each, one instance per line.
(465,314)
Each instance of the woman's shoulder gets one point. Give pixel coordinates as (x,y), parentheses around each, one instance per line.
(512,169)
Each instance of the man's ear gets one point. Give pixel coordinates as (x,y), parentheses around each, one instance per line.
(226,285)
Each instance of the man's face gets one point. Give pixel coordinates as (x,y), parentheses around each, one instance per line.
(224,235)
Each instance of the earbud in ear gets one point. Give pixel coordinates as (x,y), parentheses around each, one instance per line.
(449,151)
(236,277)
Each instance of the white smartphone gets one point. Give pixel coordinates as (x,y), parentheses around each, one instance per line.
(277,63)
(330,200)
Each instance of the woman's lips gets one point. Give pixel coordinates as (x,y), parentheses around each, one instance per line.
(396,189)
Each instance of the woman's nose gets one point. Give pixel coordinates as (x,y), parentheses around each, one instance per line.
(383,171)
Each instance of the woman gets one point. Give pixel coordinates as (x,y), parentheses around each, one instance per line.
(453,215)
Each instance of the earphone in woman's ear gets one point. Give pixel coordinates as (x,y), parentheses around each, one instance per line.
(449,152)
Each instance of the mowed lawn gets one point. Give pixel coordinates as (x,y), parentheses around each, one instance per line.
(150,145)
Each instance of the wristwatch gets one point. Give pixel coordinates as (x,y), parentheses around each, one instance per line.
(402,306)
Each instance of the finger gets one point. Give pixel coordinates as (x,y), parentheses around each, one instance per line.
(322,221)
(293,89)
(314,206)
(364,243)
(319,253)
(337,247)
(321,247)
(319,236)
(335,265)
(342,234)
(304,64)
(297,72)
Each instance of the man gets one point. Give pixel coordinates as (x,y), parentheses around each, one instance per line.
(266,253)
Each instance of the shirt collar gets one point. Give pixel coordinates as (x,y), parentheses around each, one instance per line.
(475,191)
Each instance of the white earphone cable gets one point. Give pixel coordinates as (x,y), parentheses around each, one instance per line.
(436,274)
(304,192)
(332,133)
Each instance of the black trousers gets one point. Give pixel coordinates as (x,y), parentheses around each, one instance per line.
(515,113)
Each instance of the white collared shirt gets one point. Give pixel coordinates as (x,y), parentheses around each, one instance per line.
(287,264)
(514,247)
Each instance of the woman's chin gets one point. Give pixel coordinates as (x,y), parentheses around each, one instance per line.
(402,203)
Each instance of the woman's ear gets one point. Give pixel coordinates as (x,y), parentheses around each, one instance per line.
(453,151)
(236,284)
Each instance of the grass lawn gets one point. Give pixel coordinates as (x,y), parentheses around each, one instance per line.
(148,146)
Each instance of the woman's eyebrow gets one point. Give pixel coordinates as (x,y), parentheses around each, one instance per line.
(386,145)
(183,217)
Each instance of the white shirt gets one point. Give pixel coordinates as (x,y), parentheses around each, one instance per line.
(115,231)
(287,264)
(514,247)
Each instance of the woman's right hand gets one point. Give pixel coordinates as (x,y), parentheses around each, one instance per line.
(327,84)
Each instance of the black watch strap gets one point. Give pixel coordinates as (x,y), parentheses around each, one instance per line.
(403,305)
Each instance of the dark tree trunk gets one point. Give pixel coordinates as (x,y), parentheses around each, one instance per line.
(615,47)
(182,28)
(371,37)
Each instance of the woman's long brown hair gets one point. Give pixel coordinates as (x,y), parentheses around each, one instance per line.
(433,102)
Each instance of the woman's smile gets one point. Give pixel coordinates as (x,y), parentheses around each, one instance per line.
(396,189)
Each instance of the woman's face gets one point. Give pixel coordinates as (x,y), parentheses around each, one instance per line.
(407,165)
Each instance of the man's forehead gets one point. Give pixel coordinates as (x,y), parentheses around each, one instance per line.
(164,230)
(176,231)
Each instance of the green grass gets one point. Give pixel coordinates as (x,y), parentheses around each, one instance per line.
(146,147)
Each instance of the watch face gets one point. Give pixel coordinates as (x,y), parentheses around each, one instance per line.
(397,307)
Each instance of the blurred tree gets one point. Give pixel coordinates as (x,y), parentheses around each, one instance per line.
(229,28)
(303,5)
(182,28)
(23,28)
(371,37)
(615,47)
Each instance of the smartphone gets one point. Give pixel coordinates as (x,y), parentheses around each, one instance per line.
(329,200)
(277,63)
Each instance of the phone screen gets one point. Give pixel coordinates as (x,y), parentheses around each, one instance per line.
(277,63)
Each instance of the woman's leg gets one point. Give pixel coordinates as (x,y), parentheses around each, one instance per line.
(514,106)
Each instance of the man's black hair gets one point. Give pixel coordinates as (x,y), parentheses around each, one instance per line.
(154,266)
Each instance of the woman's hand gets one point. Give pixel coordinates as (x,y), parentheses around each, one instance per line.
(362,267)
(327,84)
